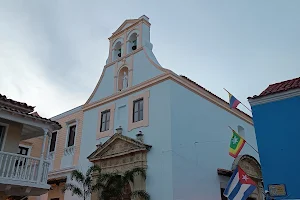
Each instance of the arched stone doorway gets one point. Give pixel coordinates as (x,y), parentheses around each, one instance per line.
(118,155)
(253,169)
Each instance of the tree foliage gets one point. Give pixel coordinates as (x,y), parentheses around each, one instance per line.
(115,185)
(112,186)
(84,185)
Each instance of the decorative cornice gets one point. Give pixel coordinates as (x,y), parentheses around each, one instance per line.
(274,97)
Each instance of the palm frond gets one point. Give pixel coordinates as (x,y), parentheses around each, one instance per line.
(78,176)
(73,188)
(97,186)
(94,168)
(104,177)
(129,175)
(87,182)
(140,193)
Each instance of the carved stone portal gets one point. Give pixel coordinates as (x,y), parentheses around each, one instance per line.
(252,168)
(119,154)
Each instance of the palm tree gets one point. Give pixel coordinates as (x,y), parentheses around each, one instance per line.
(114,186)
(85,186)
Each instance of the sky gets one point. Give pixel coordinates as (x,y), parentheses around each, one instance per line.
(52,53)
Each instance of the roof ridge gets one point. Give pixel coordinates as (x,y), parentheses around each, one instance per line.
(279,87)
(14,103)
(293,79)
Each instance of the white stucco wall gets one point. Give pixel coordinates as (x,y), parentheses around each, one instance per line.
(200,144)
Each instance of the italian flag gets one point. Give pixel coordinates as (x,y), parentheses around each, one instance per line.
(236,144)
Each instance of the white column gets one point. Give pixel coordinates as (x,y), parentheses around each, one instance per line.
(44,142)
(41,164)
(49,143)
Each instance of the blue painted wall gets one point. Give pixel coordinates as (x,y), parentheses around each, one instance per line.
(277,127)
(106,87)
(200,144)
(178,168)
(142,70)
(158,134)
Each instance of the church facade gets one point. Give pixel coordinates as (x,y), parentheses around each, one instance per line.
(143,115)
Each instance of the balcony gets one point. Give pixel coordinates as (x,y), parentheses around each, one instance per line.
(28,172)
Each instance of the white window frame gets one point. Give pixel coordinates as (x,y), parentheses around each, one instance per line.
(26,146)
(71,123)
(5,134)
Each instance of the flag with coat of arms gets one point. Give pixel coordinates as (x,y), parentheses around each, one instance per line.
(240,185)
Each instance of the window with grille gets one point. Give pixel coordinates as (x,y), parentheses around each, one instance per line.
(72,132)
(138,110)
(105,118)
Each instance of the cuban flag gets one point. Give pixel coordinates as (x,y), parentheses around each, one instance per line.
(240,186)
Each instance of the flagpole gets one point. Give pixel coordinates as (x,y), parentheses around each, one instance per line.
(240,102)
(244,140)
(246,107)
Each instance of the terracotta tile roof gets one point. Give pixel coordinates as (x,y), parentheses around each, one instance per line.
(35,114)
(186,78)
(279,87)
(31,115)
(16,104)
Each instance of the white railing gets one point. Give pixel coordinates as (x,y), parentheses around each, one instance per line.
(23,168)
(69,151)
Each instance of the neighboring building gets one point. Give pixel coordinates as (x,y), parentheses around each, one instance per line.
(20,173)
(277,125)
(63,152)
(166,123)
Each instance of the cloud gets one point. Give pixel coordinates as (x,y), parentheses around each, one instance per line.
(33,64)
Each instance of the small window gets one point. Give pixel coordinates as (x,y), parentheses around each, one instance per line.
(53,141)
(105,117)
(138,110)
(72,132)
(2,132)
(23,151)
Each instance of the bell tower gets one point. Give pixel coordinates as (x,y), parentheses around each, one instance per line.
(130,61)
(129,39)
(130,36)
